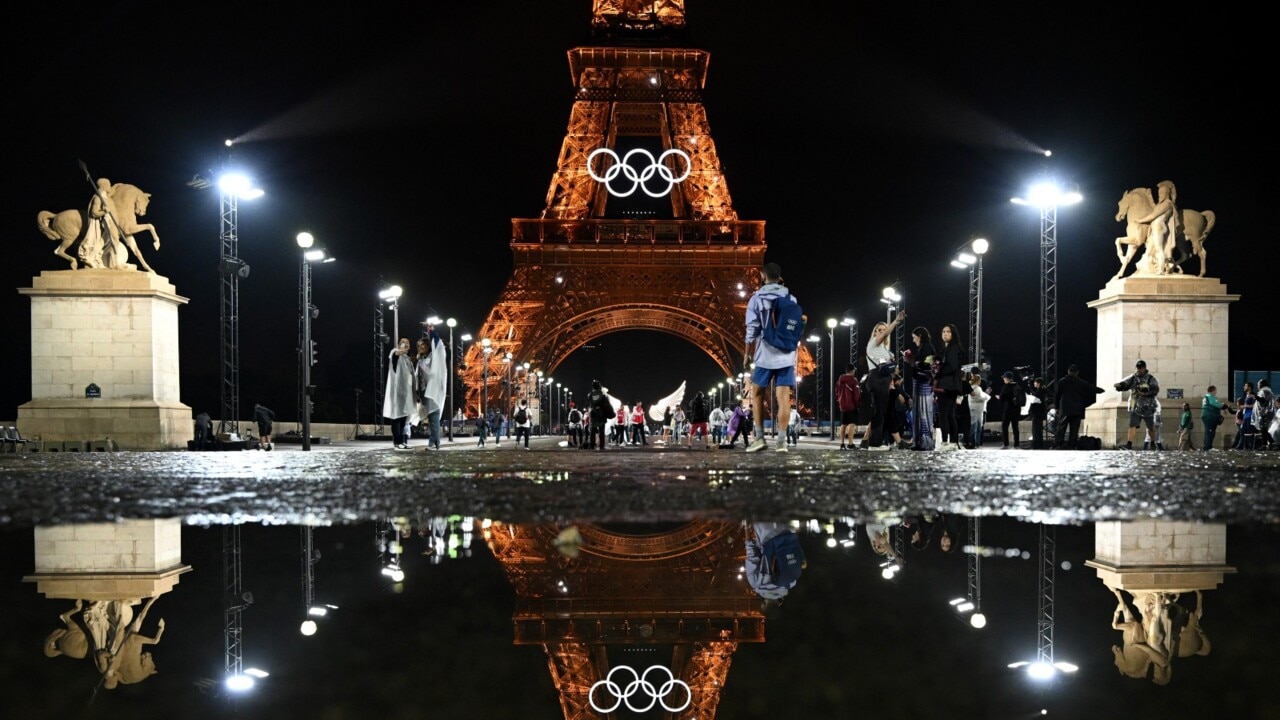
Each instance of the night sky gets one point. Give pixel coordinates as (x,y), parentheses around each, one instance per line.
(874,139)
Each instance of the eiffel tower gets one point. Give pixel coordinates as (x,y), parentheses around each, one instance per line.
(586,268)
(672,597)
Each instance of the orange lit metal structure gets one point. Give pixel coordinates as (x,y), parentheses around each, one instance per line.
(579,273)
(676,590)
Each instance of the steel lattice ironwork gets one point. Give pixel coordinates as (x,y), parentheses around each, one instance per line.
(233,602)
(1049,293)
(578,274)
(1044,618)
(229,422)
(676,588)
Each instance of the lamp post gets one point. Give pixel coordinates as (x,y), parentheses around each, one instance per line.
(486,346)
(391,296)
(970,258)
(307,352)
(539,386)
(1044,667)
(893,301)
(831,363)
(817,377)
(451,323)
(462,356)
(848,321)
(233,186)
(1048,196)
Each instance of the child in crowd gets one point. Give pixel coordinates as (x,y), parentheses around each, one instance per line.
(1184,428)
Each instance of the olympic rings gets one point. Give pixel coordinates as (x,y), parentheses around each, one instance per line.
(639,682)
(639,179)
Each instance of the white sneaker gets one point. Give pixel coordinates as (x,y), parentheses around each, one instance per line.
(758,445)
(782,448)
(879,448)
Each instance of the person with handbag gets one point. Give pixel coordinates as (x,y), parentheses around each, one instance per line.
(948,384)
(880,368)
(920,359)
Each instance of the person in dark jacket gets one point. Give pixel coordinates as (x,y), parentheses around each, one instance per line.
(699,419)
(600,411)
(264,417)
(950,381)
(920,360)
(1011,399)
(1039,412)
(1071,397)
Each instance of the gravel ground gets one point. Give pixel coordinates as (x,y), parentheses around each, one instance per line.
(353,482)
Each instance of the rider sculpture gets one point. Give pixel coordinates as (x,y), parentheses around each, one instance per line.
(1170,235)
(103,230)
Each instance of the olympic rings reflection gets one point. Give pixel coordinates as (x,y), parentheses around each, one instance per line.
(639,682)
(657,166)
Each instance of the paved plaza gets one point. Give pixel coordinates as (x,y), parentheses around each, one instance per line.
(355,481)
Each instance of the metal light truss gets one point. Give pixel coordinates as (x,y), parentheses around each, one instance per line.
(817,384)
(900,545)
(1044,618)
(975,563)
(304,344)
(900,332)
(975,293)
(854,339)
(232,602)
(308,569)
(229,353)
(1049,293)
(379,364)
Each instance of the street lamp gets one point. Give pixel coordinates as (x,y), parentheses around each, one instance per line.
(451,323)
(831,362)
(1048,196)
(817,376)
(486,346)
(893,301)
(848,321)
(307,312)
(970,258)
(1044,667)
(392,295)
(539,385)
(233,186)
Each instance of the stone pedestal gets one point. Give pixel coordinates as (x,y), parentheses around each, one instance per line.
(1178,324)
(108,561)
(116,329)
(1160,556)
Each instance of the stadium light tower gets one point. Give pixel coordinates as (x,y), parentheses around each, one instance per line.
(970,258)
(233,186)
(1048,196)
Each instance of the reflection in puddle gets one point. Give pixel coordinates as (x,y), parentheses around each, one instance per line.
(692,617)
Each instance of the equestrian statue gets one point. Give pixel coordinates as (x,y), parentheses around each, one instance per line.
(1170,236)
(103,229)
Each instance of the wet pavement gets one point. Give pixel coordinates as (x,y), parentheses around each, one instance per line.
(359,481)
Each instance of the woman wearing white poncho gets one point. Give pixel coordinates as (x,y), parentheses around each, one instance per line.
(398,403)
(431,380)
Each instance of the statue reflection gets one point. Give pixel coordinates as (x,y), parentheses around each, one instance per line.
(108,631)
(1157,563)
(589,594)
(108,569)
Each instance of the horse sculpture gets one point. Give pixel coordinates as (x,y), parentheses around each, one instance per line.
(1192,231)
(125,204)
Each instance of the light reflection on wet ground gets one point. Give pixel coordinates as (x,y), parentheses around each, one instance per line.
(336,485)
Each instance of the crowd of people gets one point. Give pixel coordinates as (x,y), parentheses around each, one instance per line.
(923,398)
